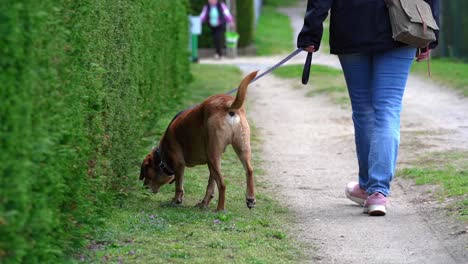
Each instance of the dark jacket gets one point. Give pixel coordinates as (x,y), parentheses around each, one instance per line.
(222,18)
(356,26)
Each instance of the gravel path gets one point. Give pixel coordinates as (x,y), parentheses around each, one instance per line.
(309,157)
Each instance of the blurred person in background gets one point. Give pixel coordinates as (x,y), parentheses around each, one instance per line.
(217,15)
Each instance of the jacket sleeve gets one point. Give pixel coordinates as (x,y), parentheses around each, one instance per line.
(435,6)
(311,33)
(203,14)
(227,14)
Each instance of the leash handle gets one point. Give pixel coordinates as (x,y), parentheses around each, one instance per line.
(306,71)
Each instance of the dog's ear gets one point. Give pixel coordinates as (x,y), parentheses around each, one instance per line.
(146,163)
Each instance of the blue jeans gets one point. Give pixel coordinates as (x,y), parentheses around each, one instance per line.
(376,83)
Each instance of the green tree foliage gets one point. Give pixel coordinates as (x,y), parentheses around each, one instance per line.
(245,23)
(81,82)
(196,6)
(454,36)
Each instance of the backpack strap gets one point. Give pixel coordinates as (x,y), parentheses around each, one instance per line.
(427,48)
(429,63)
(422,19)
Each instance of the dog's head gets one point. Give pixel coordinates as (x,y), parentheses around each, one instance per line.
(151,173)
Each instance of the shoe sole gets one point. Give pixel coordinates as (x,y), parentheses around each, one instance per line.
(375,210)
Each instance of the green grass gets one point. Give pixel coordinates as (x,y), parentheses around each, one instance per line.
(450,171)
(323,80)
(209,79)
(274,34)
(146,228)
(446,72)
(325,44)
(278,3)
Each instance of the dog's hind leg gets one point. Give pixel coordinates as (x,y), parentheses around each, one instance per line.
(209,193)
(245,158)
(242,148)
(214,165)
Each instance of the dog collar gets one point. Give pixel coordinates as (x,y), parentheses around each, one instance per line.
(163,165)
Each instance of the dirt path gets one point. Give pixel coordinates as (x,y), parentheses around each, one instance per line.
(309,157)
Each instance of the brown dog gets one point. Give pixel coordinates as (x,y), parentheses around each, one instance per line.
(199,136)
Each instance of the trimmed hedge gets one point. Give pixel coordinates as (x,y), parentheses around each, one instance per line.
(81,83)
(245,19)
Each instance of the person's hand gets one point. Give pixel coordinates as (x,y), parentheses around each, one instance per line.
(424,55)
(233,26)
(310,48)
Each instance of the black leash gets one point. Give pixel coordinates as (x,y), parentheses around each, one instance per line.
(305,78)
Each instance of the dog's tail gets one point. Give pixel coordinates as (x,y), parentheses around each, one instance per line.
(240,97)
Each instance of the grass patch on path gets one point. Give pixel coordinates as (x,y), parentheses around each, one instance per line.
(447,72)
(274,34)
(323,80)
(325,43)
(146,228)
(448,170)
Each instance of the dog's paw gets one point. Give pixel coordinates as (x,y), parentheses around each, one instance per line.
(250,202)
(177,200)
(201,205)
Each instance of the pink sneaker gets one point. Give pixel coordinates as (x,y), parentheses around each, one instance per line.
(355,193)
(376,204)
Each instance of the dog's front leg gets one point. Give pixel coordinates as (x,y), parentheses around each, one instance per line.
(179,185)
(214,165)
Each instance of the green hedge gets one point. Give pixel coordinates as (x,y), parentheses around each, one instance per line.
(81,83)
(245,22)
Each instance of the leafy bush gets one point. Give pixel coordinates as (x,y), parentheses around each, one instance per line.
(81,83)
